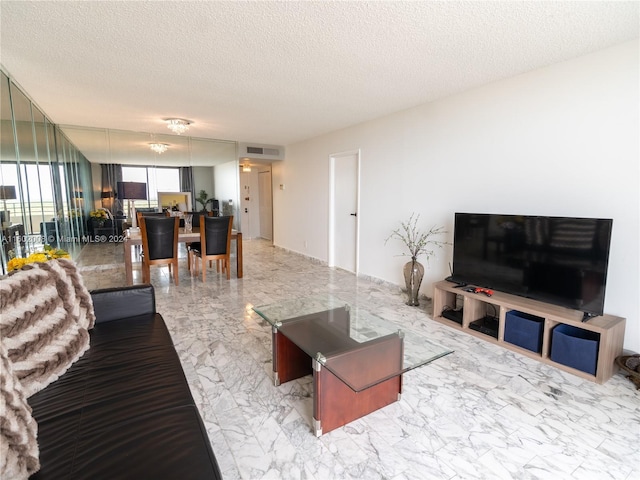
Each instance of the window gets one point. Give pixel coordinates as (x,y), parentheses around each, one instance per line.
(157,179)
(34,202)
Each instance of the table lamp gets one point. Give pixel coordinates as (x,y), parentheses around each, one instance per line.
(7,192)
(132,191)
(108,198)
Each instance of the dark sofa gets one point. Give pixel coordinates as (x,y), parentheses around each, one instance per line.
(124,409)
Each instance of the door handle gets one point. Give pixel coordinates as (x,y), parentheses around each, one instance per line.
(354,214)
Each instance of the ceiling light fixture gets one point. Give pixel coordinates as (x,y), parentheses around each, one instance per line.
(246,167)
(159,147)
(178,125)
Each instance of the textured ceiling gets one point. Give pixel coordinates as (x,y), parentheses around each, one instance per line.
(280,72)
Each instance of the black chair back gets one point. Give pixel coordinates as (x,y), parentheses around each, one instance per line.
(160,236)
(153,214)
(216,231)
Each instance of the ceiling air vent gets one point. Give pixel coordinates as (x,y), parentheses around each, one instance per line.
(262,151)
(259,152)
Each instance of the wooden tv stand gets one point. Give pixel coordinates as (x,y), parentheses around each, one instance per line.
(477,305)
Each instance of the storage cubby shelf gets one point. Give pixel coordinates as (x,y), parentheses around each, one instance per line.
(475,306)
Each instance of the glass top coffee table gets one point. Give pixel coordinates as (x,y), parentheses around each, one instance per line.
(357,359)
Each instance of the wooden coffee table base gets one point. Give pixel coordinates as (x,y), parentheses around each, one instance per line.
(334,403)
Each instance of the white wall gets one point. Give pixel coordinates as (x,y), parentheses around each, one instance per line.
(562,140)
(226,187)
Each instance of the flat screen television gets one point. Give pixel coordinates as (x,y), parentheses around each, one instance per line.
(557,260)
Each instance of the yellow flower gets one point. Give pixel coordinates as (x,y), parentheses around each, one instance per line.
(16,263)
(37,257)
(98,214)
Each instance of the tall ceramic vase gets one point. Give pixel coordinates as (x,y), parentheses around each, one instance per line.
(413,273)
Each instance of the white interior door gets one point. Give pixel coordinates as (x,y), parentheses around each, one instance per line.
(246,208)
(266,205)
(344,250)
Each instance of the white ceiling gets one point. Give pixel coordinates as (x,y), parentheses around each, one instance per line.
(281,72)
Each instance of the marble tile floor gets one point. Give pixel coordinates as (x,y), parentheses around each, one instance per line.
(481,412)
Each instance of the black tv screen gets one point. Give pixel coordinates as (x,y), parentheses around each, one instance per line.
(557,260)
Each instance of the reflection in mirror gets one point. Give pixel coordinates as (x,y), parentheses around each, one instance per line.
(46,190)
(213,162)
(101,146)
(26,156)
(8,171)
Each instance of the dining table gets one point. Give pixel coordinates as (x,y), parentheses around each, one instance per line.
(133,237)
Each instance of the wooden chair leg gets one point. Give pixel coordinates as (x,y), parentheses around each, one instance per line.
(175,270)
(204,270)
(194,264)
(146,273)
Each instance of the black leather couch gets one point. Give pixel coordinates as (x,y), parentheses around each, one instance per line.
(124,410)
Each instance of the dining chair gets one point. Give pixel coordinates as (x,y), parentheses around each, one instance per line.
(214,244)
(159,244)
(146,212)
(195,223)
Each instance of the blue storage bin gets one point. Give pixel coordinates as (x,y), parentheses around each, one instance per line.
(524,330)
(575,347)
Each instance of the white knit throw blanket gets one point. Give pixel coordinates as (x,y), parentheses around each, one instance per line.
(46,313)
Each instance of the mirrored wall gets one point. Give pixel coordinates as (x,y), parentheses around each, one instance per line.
(51,176)
(45,181)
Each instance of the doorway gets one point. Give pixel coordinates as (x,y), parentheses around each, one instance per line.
(266,204)
(256,202)
(344,203)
